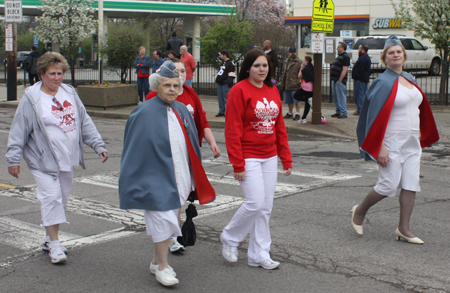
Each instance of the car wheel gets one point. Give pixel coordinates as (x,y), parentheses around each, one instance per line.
(435,68)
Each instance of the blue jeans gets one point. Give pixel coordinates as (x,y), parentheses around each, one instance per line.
(222,92)
(359,92)
(288,97)
(188,82)
(143,86)
(339,97)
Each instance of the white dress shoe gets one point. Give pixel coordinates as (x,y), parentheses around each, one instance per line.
(415,240)
(357,228)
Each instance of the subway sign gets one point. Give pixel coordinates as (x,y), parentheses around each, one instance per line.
(381,23)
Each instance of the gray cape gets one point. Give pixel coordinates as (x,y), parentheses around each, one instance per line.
(147,176)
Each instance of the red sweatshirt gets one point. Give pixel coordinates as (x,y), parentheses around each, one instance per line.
(254,125)
(190,98)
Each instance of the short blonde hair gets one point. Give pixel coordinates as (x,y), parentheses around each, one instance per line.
(141,47)
(51,59)
(383,54)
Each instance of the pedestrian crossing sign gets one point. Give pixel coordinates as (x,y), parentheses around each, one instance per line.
(323,16)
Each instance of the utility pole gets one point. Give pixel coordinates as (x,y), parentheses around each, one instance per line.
(11,48)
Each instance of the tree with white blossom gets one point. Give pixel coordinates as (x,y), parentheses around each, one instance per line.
(429,19)
(66,22)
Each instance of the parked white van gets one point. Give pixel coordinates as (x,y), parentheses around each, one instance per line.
(418,55)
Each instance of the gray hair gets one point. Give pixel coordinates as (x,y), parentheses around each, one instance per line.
(155,79)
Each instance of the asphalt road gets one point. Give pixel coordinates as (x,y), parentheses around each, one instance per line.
(109,250)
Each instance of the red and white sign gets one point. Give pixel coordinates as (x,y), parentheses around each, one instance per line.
(317,42)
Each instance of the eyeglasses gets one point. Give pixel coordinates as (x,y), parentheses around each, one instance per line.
(58,104)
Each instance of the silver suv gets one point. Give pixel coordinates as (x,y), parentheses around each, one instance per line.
(418,55)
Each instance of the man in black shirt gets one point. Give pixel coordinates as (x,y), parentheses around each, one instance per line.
(361,76)
(224,81)
(338,75)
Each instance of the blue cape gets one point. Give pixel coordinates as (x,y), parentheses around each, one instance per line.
(147,176)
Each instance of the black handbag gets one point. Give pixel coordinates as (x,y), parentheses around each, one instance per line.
(189,235)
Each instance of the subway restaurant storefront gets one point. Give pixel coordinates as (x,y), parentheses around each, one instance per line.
(351,19)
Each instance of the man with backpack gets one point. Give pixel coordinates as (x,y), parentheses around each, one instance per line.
(31,65)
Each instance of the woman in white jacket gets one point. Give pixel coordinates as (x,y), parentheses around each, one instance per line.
(49,129)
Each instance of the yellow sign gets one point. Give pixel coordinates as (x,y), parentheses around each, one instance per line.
(323,16)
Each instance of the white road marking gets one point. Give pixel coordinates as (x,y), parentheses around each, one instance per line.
(4,131)
(28,236)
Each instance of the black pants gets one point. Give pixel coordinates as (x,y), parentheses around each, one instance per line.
(302,95)
(33,78)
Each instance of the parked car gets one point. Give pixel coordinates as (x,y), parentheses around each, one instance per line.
(419,56)
(21,58)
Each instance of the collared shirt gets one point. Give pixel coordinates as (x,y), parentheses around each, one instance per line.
(157,64)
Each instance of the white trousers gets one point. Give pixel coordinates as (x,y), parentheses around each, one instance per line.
(53,195)
(404,167)
(254,214)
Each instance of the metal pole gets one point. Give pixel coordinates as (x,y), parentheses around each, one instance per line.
(24,77)
(198,76)
(11,85)
(317,90)
(100,78)
(100,28)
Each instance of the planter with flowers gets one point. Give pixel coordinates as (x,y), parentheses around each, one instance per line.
(107,95)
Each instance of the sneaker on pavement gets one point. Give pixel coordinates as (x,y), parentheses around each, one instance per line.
(302,121)
(267,264)
(175,246)
(287,116)
(220,115)
(166,278)
(296,117)
(57,254)
(154,268)
(335,115)
(356,113)
(45,246)
(342,116)
(230,253)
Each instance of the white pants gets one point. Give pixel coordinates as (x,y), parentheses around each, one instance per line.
(404,167)
(162,225)
(254,214)
(53,195)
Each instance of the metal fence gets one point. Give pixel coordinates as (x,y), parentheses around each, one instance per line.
(205,76)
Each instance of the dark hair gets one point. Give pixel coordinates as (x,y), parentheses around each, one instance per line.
(172,52)
(249,59)
(309,59)
(365,47)
(176,60)
(33,48)
(158,52)
(343,45)
(174,34)
(225,52)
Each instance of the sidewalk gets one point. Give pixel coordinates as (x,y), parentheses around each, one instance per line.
(344,128)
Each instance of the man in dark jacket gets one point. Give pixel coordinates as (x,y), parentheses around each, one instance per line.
(273,57)
(224,81)
(174,44)
(361,75)
(31,65)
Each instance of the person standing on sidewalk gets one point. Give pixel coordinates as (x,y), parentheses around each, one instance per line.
(189,63)
(255,136)
(157,55)
(31,65)
(290,83)
(48,130)
(224,81)
(338,72)
(361,76)
(305,92)
(174,44)
(142,65)
(273,57)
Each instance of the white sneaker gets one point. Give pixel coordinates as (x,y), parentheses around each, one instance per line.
(166,278)
(230,253)
(267,264)
(302,121)
(57,254)
(175,246)
(154,268)
(45,246)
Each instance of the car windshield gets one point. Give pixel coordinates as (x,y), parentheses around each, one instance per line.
(374,44)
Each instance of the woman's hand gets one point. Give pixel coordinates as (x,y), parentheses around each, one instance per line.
(216,151)
(14,171)
(288,172)
(239,176)
(104,156)
(383,157)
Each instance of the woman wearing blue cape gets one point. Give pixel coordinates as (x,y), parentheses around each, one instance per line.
(394,125)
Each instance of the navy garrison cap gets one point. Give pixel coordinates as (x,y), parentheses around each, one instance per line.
(392,41)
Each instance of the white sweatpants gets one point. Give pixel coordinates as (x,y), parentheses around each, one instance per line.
(53,195)
(254,214)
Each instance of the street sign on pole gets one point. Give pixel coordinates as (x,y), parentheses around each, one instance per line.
(36,42)
(13,10)
(323,16)
(317,42)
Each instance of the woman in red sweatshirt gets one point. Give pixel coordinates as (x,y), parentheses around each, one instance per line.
(255,135)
